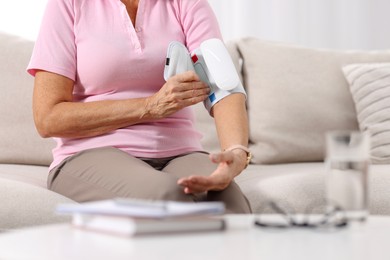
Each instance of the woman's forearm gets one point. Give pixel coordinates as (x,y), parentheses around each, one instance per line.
(78,120)
(231,120)
(57,115)
(232,126)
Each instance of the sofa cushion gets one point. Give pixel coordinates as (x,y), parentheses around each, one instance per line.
(19,141)
(302,184)
(295,95)
(370,88)
(25,205)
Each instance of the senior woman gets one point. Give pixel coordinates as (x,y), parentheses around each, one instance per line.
(121,129)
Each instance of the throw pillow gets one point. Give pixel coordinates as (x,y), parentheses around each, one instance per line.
(296,95)
(370,88)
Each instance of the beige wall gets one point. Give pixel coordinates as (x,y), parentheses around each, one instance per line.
(360,24)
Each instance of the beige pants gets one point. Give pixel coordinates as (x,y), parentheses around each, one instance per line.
(105,173)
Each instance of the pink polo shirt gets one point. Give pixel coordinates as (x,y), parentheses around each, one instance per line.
(94,43)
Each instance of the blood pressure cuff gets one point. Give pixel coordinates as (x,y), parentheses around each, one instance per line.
(179,60)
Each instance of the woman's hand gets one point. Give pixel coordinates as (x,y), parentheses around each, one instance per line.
(230,164)
(178,92)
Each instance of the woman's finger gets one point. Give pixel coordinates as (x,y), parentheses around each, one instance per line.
(193,93)
(196,184)
(194,85)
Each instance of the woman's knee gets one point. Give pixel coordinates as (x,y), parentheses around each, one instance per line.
(235,201)
(170,190)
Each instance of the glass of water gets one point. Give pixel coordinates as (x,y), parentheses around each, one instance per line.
(347,163)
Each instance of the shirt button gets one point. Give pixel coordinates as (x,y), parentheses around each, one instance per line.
(138,29)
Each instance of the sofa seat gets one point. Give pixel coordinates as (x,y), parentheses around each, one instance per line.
(299,185)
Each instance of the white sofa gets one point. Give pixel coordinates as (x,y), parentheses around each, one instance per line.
(295,95)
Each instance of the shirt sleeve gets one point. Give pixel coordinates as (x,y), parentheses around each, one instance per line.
(55,48)
(199,23)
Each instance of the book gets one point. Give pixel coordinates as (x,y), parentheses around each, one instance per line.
(143,208)
(128,226)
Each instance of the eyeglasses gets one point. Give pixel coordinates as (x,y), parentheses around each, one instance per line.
(316,215)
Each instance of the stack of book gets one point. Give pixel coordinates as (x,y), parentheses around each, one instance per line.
(129,217)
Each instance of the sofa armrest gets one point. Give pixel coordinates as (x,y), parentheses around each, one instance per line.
(24,205)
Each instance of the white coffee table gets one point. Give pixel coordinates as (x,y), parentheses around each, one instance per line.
(241,241)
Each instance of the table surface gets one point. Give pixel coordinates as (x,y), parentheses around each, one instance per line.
(242,240)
